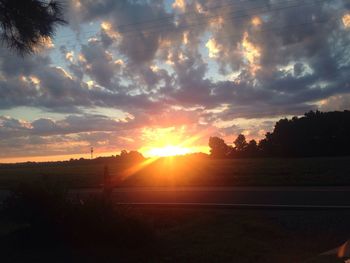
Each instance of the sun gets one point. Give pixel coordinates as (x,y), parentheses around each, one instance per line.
(170,141)
(169,150)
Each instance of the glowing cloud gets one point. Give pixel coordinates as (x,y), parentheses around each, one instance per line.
(251,53)
(108,29)
(154,68)
(217,22)
(213,47)
(90,83)
(34,79)
(70,56)
(185,37)
(119,62)
(44,43)
(256,21)
(76,4)
(179,4)
(346,20)
(199,8)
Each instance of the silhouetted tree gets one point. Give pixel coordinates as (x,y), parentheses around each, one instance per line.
(123,153)
(240,143)
(133,156)
(315,134)
(251,150)
(25,24)
(265,146)
(219,149)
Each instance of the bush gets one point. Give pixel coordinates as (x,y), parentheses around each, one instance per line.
(52,219)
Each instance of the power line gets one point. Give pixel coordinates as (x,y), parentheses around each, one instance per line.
(231,18)
(197,13)
(271,29)
(297,27)
(166,17)
(241,16)
(238,12)
(181,15)
(164,27)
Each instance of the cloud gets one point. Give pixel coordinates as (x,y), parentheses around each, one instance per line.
(337,102)
(213,48)
(244,44)
(75,133)
(98,64)
(179,4)
(180,63)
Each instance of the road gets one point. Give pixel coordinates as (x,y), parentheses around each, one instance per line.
(264,197)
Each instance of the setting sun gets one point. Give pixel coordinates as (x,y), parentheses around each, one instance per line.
(169,150)
(171,141)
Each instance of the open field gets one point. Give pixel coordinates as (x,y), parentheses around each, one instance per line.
(188,171)
(189,234)
(207,235)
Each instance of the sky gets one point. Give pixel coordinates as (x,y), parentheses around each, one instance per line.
(142,75)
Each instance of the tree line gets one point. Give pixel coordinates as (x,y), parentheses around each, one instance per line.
(314,134)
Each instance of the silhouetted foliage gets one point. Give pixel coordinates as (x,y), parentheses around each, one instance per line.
(28,24)
(53,218)
(243,149)
(315,134)
(219,149)
(251,150)
(133,156)
(123,153)
(240,143)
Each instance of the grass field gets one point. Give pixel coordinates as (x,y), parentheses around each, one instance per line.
(184,235)
(205,235)
(251,236)
(189,171)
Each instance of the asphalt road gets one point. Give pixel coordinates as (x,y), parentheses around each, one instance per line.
(264,197)
(288,197)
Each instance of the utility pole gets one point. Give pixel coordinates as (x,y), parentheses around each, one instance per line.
(92,152)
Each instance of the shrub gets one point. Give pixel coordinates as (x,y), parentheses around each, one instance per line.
(53,219)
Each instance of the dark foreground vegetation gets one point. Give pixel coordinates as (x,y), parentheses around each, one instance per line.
(25,25)
(40,224)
